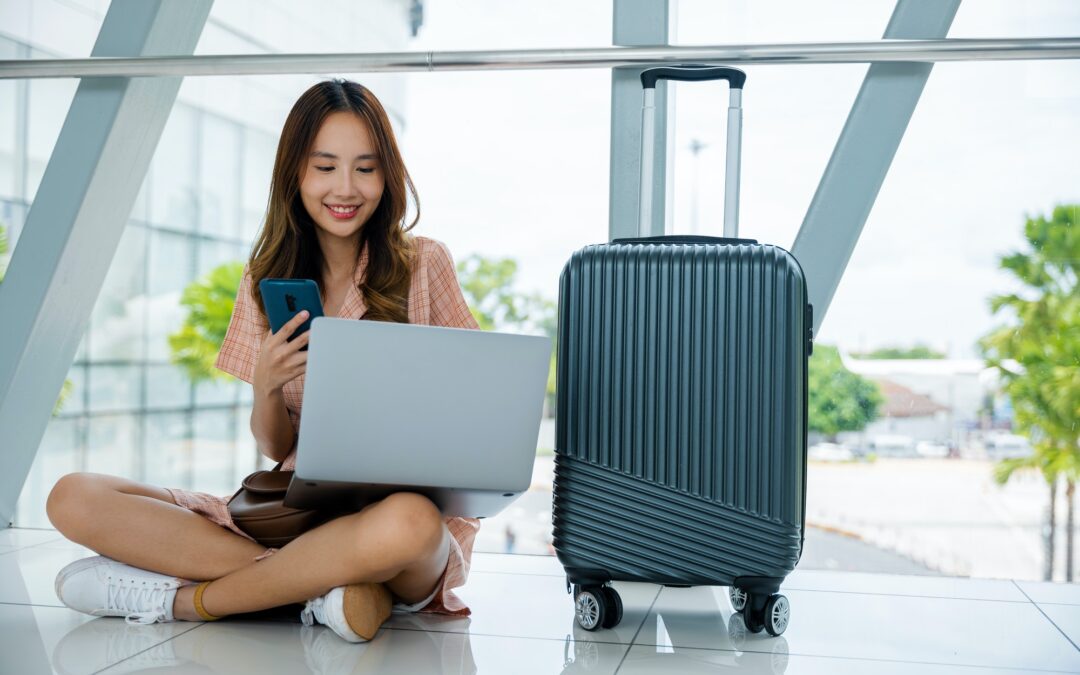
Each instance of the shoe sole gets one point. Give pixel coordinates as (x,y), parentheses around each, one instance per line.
(72,569)
(367,607)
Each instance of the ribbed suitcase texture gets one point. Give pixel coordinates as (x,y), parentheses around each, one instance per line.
(681,425)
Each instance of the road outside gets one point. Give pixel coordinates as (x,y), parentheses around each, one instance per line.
(914,516)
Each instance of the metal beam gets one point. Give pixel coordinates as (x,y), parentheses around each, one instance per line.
(76,221)
(638,23)
(880,51)
(863,154)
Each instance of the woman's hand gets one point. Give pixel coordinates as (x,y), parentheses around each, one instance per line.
(281,361)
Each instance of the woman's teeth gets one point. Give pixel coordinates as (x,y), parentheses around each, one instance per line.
(343,211)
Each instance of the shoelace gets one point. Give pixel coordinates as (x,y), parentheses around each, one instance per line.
(313,610)
(123,594)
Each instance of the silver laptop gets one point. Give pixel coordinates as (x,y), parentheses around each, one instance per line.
(449,413)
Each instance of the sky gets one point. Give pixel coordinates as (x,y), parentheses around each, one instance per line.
(515,163)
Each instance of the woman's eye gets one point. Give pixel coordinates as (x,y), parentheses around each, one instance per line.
(362,170)
(324,169)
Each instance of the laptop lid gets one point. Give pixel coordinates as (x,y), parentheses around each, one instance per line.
(407,404)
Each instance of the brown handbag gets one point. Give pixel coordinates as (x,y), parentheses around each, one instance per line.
(258,509)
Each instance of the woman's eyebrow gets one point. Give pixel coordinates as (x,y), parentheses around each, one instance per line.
(330,155)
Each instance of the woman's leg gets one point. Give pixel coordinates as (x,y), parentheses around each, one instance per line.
(140,525)
(401,541)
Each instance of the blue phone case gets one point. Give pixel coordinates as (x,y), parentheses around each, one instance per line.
(285,298)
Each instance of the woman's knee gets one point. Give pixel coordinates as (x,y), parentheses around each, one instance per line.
(416,523)
(69,500)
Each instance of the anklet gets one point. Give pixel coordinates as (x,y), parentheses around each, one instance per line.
(199,609)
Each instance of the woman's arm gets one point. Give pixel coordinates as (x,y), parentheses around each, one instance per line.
(270,424)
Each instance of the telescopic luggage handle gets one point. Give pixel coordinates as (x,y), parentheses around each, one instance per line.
(693,73)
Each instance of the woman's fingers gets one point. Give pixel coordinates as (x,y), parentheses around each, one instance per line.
(292,324)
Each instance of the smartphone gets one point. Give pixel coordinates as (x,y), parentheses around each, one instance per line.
(285,298)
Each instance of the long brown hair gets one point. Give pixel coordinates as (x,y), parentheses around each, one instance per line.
(287,246)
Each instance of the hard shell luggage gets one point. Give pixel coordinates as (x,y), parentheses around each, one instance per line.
(682,404)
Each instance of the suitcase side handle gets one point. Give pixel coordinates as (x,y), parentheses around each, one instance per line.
(693,73)
(684,239)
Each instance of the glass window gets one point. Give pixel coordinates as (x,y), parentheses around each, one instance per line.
(166,452)
(60,453)
(170,268)
(111,445)
(75,403)
(12,217)
(214,451)
(117,322)
(115,388)
(167,387)
(10,104)
(217,392)
(248,457)
(49,103)
(173,186)
(169,272)
(258,166)
(214,253)
(219,178)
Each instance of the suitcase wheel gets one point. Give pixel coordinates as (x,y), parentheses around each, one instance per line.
(597,607)
(738,599)
(777,613)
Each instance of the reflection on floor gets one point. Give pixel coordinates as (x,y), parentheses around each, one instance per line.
(522,622)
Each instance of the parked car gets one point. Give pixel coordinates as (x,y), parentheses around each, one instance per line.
(830,452)
(931,449)
(889,445)
(1006,446)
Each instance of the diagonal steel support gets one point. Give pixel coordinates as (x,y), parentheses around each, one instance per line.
(864,152)
(76,221)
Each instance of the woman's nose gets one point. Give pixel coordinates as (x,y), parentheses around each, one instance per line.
(346,186)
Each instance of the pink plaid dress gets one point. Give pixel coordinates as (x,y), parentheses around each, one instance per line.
(434,299)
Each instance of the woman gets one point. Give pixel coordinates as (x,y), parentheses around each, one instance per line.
(337,215)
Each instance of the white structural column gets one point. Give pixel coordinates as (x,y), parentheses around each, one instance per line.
(638,23)
(76,220)
(864,152)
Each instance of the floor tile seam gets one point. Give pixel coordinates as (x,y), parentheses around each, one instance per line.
(901,595)
(16,549)
(519,574)
(859,658)
(499,635)
(153,646)
(638,631)
(33,604)
(1047,616)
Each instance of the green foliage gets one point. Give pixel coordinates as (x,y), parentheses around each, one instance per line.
(209,302)
(840,400)
(1037,351)
(488,287)
(917,352)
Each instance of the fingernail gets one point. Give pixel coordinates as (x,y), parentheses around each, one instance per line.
(303,312)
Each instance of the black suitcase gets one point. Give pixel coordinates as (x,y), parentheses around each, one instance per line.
(682,403)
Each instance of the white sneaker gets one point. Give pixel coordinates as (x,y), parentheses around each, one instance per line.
(355,612)
(101,586)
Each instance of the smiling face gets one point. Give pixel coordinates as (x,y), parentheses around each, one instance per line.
(341,181)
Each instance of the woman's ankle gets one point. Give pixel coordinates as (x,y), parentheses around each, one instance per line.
(184,604)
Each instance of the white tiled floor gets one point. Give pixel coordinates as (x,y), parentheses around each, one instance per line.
(522,622)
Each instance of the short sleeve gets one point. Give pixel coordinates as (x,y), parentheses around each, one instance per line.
(448,306)
(243,340)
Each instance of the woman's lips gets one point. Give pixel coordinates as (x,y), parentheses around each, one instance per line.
(343,216)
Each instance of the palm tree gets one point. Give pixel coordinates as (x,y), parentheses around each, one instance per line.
(1043,461)
(1037,355)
